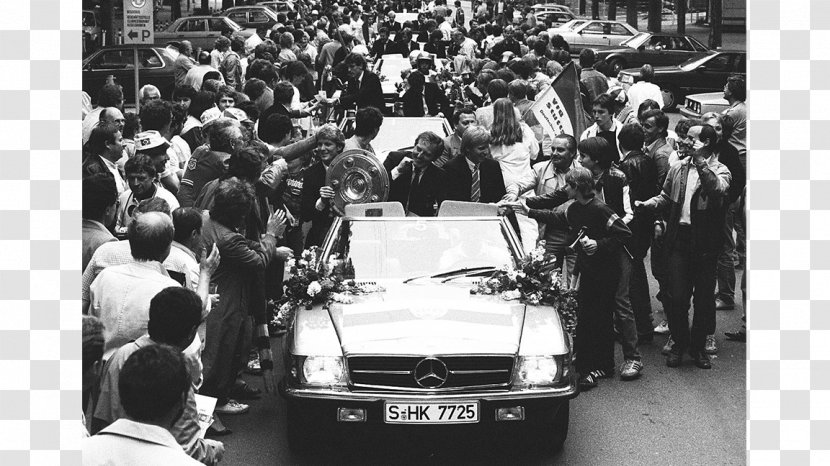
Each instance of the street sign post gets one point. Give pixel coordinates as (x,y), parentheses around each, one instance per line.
(138,30)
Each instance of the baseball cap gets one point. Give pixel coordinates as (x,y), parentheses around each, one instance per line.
(147,140)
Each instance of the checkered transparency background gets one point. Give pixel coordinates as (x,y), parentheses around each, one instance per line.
(788,410)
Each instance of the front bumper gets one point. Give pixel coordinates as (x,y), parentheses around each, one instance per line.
(540,405)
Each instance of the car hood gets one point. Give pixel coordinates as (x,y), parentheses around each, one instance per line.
(428,319)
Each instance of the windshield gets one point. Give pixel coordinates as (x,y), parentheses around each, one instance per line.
(636,41)
(692,63)
(404,247)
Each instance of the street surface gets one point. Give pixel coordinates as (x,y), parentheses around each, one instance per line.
(668,416)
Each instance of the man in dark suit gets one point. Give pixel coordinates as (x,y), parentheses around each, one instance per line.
(416,183)
(475,177)
(364,86)
(422,93)
(103,150)
(382,45)
(404,44)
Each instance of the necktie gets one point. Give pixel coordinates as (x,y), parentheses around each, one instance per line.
(416,177)
(475,191)
(424,103)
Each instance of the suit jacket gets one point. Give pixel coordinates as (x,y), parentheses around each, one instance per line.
(420,199)
(382,47)
(315,178)
(436,101)
(92,165)
(368,94)
(405,49)
(460,180)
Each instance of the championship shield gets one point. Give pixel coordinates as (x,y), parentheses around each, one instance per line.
(357,177)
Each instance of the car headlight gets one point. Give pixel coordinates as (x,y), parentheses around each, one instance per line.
(322,370)
(537,371)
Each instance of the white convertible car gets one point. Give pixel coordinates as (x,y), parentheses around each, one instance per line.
(422,351)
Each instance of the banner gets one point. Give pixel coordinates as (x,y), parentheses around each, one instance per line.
(559,108)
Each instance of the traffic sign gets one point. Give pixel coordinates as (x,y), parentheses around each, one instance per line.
(138,22)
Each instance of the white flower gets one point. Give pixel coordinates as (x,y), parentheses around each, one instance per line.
(521,274)
(290,263)
(302,263)
(512,274)
(314,288)
(342,298)
(510,295)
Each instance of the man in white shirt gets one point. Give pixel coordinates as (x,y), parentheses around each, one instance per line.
(644,89)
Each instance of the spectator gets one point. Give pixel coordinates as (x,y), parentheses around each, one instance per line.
(105,148)
(462,118)
(605,126)
(367,126)
(645,88)
(593,80)
(98,212)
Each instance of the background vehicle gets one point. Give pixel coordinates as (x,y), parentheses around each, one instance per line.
(702,74)
(540,7)
(581,33)
(557,17)
(656,49)
(404,358)
(155,67)
(251,16)
(92,30)
(279,6)
(698,104)
(201,31)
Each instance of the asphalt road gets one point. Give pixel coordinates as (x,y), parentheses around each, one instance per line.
(668,416)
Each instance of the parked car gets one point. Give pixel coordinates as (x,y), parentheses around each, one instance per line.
(557,17)
(540,7)
(92,30)
(581,33)
(251,16)
(701,74)
(155,67)
(698,104)
(422,353)
(654,48)
(202,31)
(278,6)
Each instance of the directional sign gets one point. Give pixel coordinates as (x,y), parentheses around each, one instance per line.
(138,22)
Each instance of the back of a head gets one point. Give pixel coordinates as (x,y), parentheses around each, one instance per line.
(186,220)
(156,115)
(246,163)
(111,95)
(274,128)
(100,136)
(737,87)
(587,57)
(202,101)
(203,58)
(294,69)
(254,88)
(283,93)
(517,89)
(497,89)
(150,235)
(647,73)
(416,80)
(152,383)
(367,121)
(631,137)
(99,193)
(232,202)
(92,341)
(174,313)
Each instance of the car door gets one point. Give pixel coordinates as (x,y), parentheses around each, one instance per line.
(193,29)
(711,76)
(218,26)
(259,17)
(679,50)
(591,34)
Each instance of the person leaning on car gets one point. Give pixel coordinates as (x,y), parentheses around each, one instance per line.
(416,182)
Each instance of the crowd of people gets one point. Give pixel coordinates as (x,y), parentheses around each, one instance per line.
(193,203)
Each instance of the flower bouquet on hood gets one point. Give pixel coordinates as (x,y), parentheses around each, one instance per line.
(537,280)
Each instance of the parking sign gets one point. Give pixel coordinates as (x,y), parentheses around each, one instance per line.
(138,22)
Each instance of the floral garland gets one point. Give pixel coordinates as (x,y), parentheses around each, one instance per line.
(536,281)
(307,286)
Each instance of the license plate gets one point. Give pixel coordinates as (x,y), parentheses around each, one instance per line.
(430,413)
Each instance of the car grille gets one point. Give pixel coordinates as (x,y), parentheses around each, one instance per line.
(693,106)
(396,372)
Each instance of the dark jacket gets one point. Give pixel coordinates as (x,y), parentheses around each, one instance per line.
(367,93)
(641,173)
(436,101)
(92,165)
(438,48)
(422,198)
(707,205)
(204,165)
(404,48)
(460,180)
(728,155)
(315,178)
(612,185)
(382,47)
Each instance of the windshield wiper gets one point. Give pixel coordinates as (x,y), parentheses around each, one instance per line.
(448,273)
